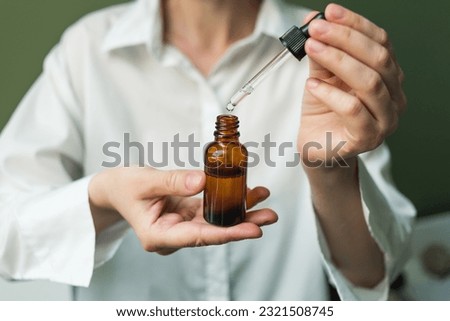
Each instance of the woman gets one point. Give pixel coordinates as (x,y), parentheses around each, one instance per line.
(152,71)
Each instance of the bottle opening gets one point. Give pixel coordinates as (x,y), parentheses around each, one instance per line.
(227,126)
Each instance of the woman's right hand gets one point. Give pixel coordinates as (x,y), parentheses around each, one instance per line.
(158,206)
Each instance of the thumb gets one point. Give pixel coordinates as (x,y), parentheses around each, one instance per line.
(175,182)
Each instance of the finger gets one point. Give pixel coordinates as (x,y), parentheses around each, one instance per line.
(363,49)
(256,195)
(234,233)
(361,128)
(166,237)
(189,234)
(167,251)
(367,84)
(338,14)
(261,217)
(174,182)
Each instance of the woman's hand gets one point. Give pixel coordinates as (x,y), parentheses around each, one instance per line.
(158,206)
(354,90)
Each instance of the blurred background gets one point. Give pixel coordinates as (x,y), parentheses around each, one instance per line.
(419,31)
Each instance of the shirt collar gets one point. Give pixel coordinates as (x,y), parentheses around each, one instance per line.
(142,24)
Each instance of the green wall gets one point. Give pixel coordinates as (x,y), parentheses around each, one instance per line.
(28,30)
(420,32)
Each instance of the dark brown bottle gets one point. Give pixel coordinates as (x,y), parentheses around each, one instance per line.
(224,200)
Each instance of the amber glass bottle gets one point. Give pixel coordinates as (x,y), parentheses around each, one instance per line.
(224,200)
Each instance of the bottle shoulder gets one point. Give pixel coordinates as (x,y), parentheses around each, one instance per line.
(223,145)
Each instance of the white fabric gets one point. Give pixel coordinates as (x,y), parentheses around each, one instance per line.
(112,75)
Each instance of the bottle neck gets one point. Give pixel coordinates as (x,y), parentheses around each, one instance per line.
(226,128)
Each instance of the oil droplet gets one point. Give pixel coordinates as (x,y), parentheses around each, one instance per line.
(230,107)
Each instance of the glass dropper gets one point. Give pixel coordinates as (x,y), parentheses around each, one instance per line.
(248,88)
(294,40)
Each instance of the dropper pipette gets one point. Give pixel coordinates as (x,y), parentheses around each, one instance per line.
(294,40)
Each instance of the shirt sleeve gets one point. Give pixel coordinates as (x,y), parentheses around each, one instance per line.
(389,216)
(46,227)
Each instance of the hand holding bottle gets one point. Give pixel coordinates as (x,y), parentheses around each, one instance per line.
(158,206)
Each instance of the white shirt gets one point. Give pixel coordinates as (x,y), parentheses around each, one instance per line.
(111,75)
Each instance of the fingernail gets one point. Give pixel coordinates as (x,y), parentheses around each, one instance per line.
(193,181)
(316,46)
(312,83)
(337,11)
